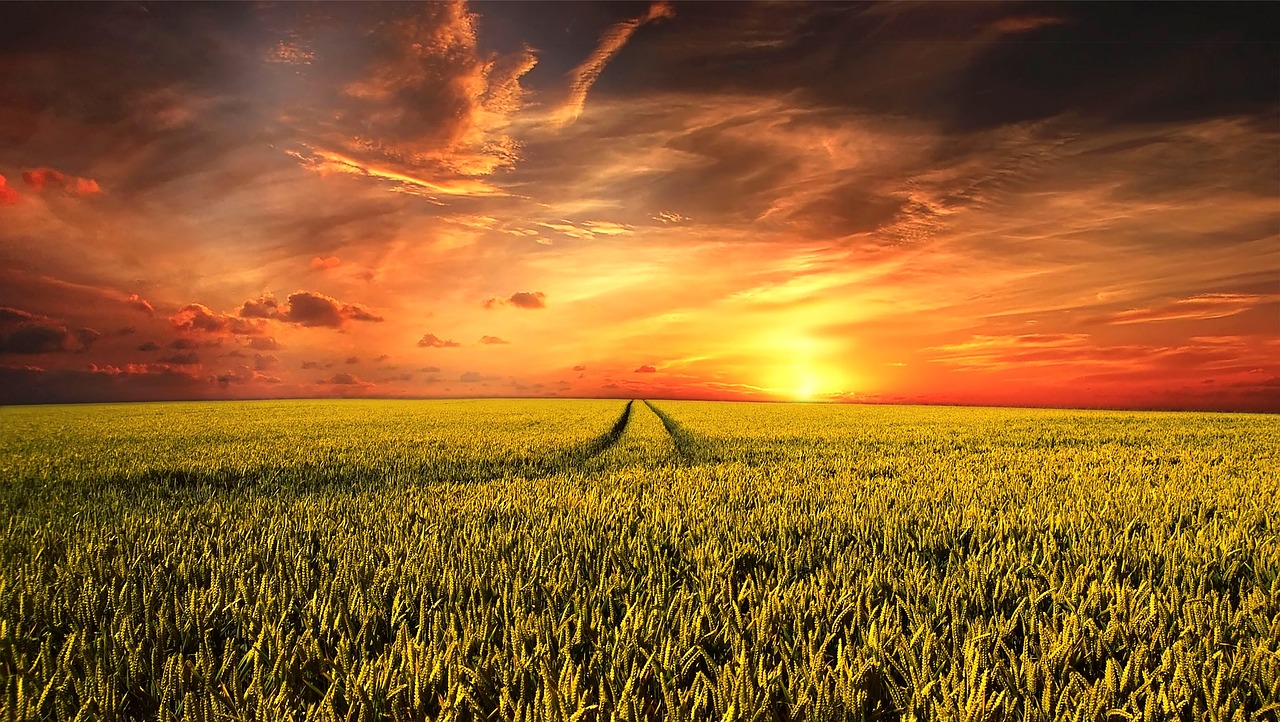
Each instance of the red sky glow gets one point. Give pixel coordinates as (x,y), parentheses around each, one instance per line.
(1006,204)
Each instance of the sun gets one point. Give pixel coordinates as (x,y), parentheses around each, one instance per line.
(807,387)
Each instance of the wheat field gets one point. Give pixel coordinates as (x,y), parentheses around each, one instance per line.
(614,560)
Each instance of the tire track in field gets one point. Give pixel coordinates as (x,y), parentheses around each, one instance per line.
(687,447)
(602,443)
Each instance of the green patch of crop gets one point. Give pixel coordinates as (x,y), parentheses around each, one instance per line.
(595,560)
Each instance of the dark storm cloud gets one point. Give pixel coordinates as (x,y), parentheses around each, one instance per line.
(975,65)
(26,333)
(39,338)
(145,382)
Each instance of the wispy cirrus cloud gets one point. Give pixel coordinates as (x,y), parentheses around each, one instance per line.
(584,76)
(1201,307)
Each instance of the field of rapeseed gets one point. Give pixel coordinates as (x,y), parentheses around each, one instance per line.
(606,560)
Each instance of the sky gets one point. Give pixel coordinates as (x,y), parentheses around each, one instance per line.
(1004,204)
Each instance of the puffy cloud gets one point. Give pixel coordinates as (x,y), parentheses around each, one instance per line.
(149,346)
(431,369)
(264,362)
(492,341)
(519,299)
(307,308)
(306,365)
(472,377)
(48,178)
(195,317)
(264,343)
(353,359)
(579,367)
(324,264)
(433,341)
(264,307)
(646,369)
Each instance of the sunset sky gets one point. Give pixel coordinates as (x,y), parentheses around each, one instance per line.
(1011,204)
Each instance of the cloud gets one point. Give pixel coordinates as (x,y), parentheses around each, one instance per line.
(149,346)
(431,112)
(432,341)
(431,369)
(1026,23)
(186,358)
(26,333)
(310,365)
(1194,308)
(353,360)
(345,379)
(584,76)
(492,341)
(326,162)
(646,369)
(245,375)
(47,178)
(472,377)
(307,308)
(519,299)
(264,307)
(141,304)
(580,367)
(40,338)
(324,264)
(10,315)
(8,196)
(264,362)
(195,317)
(264,343)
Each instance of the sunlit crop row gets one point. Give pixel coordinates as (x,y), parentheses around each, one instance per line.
(577,560)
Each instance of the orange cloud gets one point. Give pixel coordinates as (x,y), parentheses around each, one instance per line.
(492,341)
(520,299)
(584,76)
(646,369)
(200,318)
(42,178)
(307,308)
(1195,308)
(325,162)
(8,196)
(141,304)
(325,264)
(433,341)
